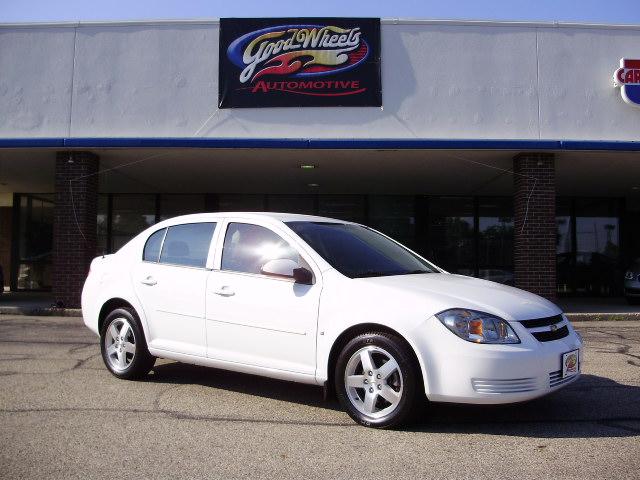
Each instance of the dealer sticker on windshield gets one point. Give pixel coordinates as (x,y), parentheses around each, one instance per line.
(570,364)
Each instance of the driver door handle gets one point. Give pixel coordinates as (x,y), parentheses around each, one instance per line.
(224,291)
(149,281)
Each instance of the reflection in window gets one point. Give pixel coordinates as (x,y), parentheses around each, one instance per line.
(394,215)
(173,205)
(131,214)
(304,204)
(495,232)
(35,241)
(564,245)
(451,227)
(248,247)
(241,203)
(597,246)
(102,246)
(343,207)
(588,258)
(495,239)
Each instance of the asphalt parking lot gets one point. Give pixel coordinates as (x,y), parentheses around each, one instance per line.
(63,415)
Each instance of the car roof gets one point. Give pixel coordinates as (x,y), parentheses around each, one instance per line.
(277,216)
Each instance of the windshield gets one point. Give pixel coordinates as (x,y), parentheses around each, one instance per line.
(357,251)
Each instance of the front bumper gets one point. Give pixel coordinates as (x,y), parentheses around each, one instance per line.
(464,372)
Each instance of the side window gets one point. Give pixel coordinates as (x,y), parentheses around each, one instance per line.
(248,247)
(152,247)
(187,244)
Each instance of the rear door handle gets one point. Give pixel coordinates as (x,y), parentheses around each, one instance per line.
(224,291)
(149,281)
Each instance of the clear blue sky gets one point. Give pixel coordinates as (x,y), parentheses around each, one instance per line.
(594,11)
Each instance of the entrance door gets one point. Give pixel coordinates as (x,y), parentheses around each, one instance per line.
(257,319)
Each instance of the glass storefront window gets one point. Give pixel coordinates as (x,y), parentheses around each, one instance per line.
(495,231)
(394,215)
(304,204)
(102,239)
(564,245)
(344,207)
(451,233)
(588,246)
(173,205)
(35,241)
(495,239)
(597,246)
(131,214)
(241,203)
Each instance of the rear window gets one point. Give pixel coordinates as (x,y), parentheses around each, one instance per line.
(188,244)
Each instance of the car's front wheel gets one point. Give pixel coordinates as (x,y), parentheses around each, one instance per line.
(123,345)
(376,380)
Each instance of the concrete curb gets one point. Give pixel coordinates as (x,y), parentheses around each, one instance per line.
(603,317)
(41,311)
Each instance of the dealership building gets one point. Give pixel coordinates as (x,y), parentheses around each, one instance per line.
(508,151)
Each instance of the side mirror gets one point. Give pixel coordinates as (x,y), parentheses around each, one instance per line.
(287,268)
(281,267)
(303,276)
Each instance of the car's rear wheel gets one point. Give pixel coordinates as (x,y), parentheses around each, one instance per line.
(124,349)
(376,380)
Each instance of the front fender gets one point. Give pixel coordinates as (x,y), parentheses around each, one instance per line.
(346,309)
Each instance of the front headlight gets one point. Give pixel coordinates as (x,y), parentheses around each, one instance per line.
(477,327)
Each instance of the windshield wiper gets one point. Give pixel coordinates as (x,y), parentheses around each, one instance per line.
(372,273)
(411,272)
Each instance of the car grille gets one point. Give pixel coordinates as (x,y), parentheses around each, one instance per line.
(555,379)
(541,322)
(537,328)
(515,385)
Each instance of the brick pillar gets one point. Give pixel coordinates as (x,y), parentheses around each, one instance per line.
(74,224)
(535,223)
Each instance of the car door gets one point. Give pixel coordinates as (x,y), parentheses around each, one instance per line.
(170,282)
(257,319)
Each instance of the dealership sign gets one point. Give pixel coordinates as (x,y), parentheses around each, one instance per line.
(627,77)
(299,62)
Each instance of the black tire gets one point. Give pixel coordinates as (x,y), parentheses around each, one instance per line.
(142,361)
(410,379)
(633,300)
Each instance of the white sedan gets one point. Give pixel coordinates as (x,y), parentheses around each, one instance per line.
(325,302)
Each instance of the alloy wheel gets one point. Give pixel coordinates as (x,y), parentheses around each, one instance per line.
(120,344)
(373,381)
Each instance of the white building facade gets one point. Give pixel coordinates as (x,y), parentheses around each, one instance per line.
(501,150)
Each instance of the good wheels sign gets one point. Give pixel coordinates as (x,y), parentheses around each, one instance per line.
(299,62)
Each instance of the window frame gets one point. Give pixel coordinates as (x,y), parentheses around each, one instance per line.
(292,241)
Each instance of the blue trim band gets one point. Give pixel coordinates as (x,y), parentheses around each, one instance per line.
(320,144)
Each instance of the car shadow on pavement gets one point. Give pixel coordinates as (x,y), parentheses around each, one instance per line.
(256,386)
(591,407)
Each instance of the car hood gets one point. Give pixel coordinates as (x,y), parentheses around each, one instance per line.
(442,291)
